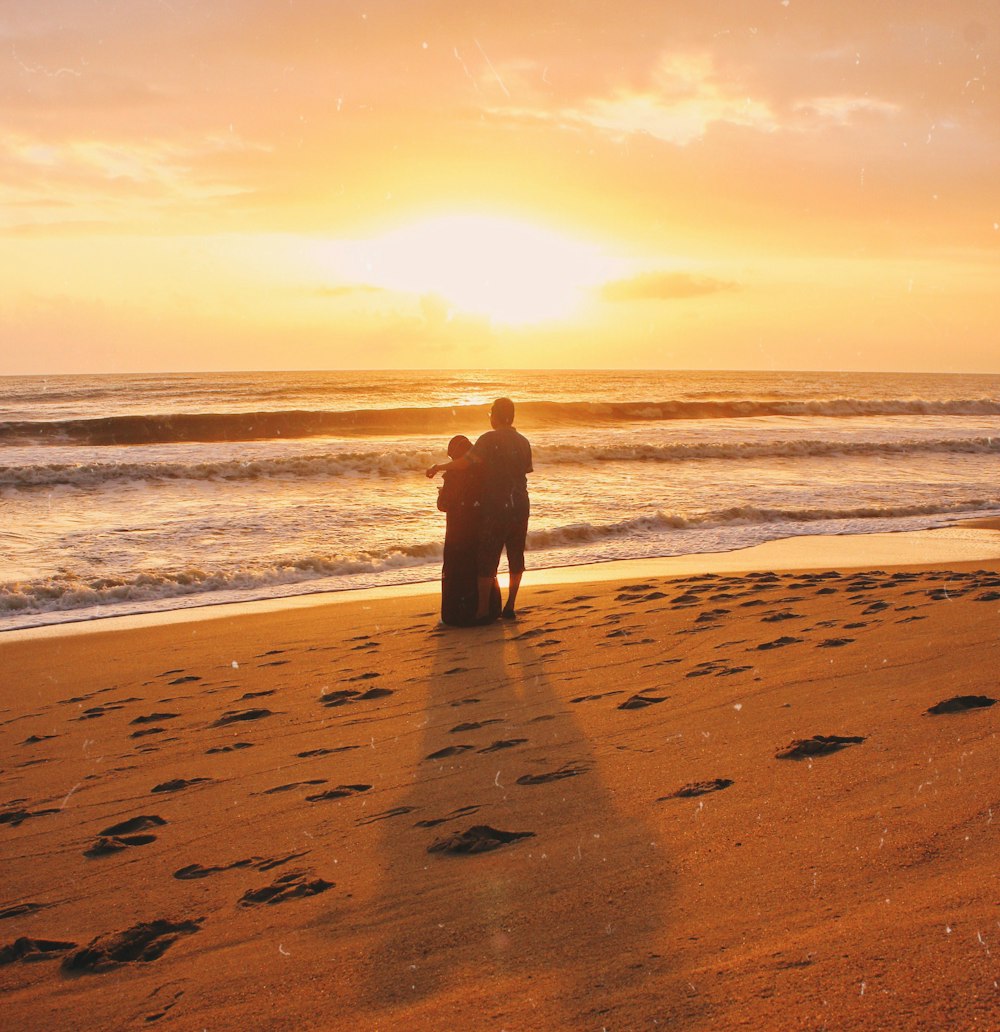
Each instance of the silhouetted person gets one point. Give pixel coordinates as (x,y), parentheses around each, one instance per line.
(505,458)
(460,498)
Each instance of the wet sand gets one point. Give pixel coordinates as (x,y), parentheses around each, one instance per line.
(763,798)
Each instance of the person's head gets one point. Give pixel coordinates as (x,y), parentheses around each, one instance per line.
(502,413)
(458,446)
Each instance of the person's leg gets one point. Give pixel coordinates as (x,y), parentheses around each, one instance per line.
(514,545)
(509,612)
(488,558)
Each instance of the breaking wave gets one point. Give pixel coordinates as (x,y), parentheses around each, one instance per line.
(67,591)
(298,423)
(407,461)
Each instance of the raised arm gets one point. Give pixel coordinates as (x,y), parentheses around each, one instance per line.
(445,467)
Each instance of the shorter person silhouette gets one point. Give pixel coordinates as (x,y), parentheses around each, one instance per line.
(460,498)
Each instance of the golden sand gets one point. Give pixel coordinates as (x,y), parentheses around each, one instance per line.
(342,816)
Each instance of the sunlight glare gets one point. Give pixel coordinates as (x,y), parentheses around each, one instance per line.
(508,271)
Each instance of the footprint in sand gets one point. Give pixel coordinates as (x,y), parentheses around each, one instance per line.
(153,718)
(340,792)
(185,680)
(778,643)
(698,788)
(35,739)
(704,669)
(818,745)
(194,871)
(641,701)
(177,784)
(293,784)
(506,743)
(143,942)
(93,712)
(451,750)
(568,770)
(480,838)
(396,811)
(22,910)
(593,698)
(474,725)
(33,949)
(16,815)
(106,845)
(710,615)
(326,752)
(834,643)
(341,698)
(228,748)
(961,704)
(236,716)
(125,835)
(134,824)
(293,885)
(462,811)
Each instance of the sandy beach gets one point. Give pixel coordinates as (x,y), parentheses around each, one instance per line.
(756,796)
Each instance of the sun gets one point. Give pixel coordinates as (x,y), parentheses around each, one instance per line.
(508,271)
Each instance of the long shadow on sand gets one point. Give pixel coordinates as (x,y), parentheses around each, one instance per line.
(511,883)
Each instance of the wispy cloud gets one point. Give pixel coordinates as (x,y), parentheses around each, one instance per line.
(116,179)
(686,95)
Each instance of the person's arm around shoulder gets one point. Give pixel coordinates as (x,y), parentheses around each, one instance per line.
(446,467)
(470,458)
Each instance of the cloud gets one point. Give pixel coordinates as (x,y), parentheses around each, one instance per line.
(687,94)
(116,181)
(663,286)
(842,110)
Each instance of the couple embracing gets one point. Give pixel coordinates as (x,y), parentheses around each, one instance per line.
(485,496)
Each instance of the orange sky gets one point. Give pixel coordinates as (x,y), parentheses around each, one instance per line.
(250,184)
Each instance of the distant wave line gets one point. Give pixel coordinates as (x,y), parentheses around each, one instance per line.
(408,461)
(298,423)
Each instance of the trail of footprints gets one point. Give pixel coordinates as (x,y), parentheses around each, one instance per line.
(145,942)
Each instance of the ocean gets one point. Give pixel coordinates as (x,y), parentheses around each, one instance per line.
(142,493)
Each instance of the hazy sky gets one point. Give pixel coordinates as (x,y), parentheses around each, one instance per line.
(250,184)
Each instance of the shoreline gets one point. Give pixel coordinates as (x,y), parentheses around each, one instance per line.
(967,541)
(761,799)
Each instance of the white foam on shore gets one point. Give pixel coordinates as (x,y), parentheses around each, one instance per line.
(946,545)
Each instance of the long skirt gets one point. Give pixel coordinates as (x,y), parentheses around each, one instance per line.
(459,583)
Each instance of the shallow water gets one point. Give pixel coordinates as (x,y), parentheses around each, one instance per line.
(127,494)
